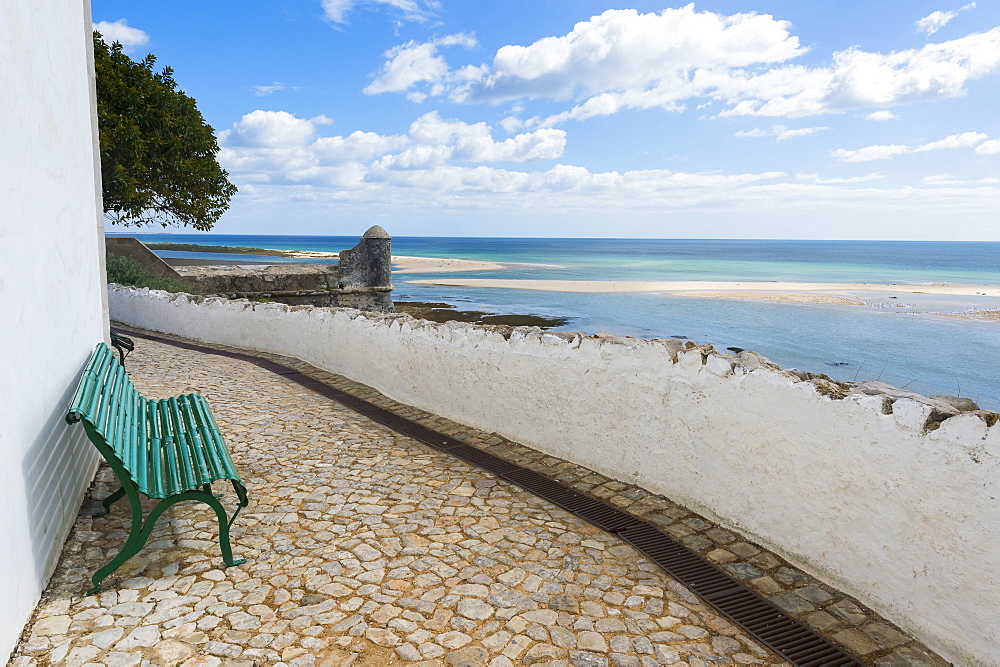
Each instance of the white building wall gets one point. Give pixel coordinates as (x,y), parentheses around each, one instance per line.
(52,296)
(903,518)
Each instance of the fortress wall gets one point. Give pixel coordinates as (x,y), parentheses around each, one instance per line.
(127,246)
(883,495)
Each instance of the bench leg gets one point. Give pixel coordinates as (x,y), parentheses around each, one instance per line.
(132,545)
(137,538)
(111,500)
(224,523)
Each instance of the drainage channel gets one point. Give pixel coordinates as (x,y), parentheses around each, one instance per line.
(759,617)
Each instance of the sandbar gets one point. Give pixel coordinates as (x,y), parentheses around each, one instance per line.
(718,289)
(782,297)
(406,264)
(987,315)
(309,254)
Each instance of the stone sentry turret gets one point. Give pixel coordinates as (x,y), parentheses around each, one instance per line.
(365,272)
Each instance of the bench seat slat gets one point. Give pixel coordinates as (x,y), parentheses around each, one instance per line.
(171,463)
(140,450)
(152,474)
(221,460)
(196,442)
(193,452)
(88,393)
(211,447)
(111,381)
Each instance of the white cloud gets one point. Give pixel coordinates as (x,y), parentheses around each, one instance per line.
(934,21)
(474,143)
(415,63)
(278,147)
(623,50)
(963,140)
(646,202)
(644,188)
(838,180)
(261,91)
(645,57)
(860,79)
(869,153)
(269,129)
(940,179)
(883,114)
(511,124)
(622,59)
(356,147)
(120,31)
(991,147)
(780,132)
(799,132)
(409,10)
(441,164)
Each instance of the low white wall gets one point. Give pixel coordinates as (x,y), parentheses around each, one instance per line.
(52,287)
(903,519)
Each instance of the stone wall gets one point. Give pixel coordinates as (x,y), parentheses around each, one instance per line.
(361,279)
(294,284)
(889,496)
(127,246)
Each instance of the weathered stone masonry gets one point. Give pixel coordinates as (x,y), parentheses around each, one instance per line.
(362,278)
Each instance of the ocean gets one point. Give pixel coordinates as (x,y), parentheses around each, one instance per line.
(923,353)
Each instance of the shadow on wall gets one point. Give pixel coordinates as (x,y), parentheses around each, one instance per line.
(57,469)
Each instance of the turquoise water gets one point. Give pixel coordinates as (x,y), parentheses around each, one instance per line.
(929,355)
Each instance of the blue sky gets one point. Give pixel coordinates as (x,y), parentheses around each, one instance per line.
(724,119)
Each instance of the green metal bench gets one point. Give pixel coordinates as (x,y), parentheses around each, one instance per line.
(168,449)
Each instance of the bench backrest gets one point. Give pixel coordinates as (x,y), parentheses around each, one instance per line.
(167,446)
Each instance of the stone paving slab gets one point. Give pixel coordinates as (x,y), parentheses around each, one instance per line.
(368,548)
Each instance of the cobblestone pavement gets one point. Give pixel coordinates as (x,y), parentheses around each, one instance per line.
(365,547)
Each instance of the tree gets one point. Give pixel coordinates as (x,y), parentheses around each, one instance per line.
(158,155)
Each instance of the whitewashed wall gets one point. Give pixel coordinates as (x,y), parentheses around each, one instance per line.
(52,295)
(903,519)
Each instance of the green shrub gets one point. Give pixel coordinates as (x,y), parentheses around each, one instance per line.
(127,271)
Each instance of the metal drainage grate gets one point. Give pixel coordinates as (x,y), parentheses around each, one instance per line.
(484,460)
(792,640)
(770,625)
(583,506)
